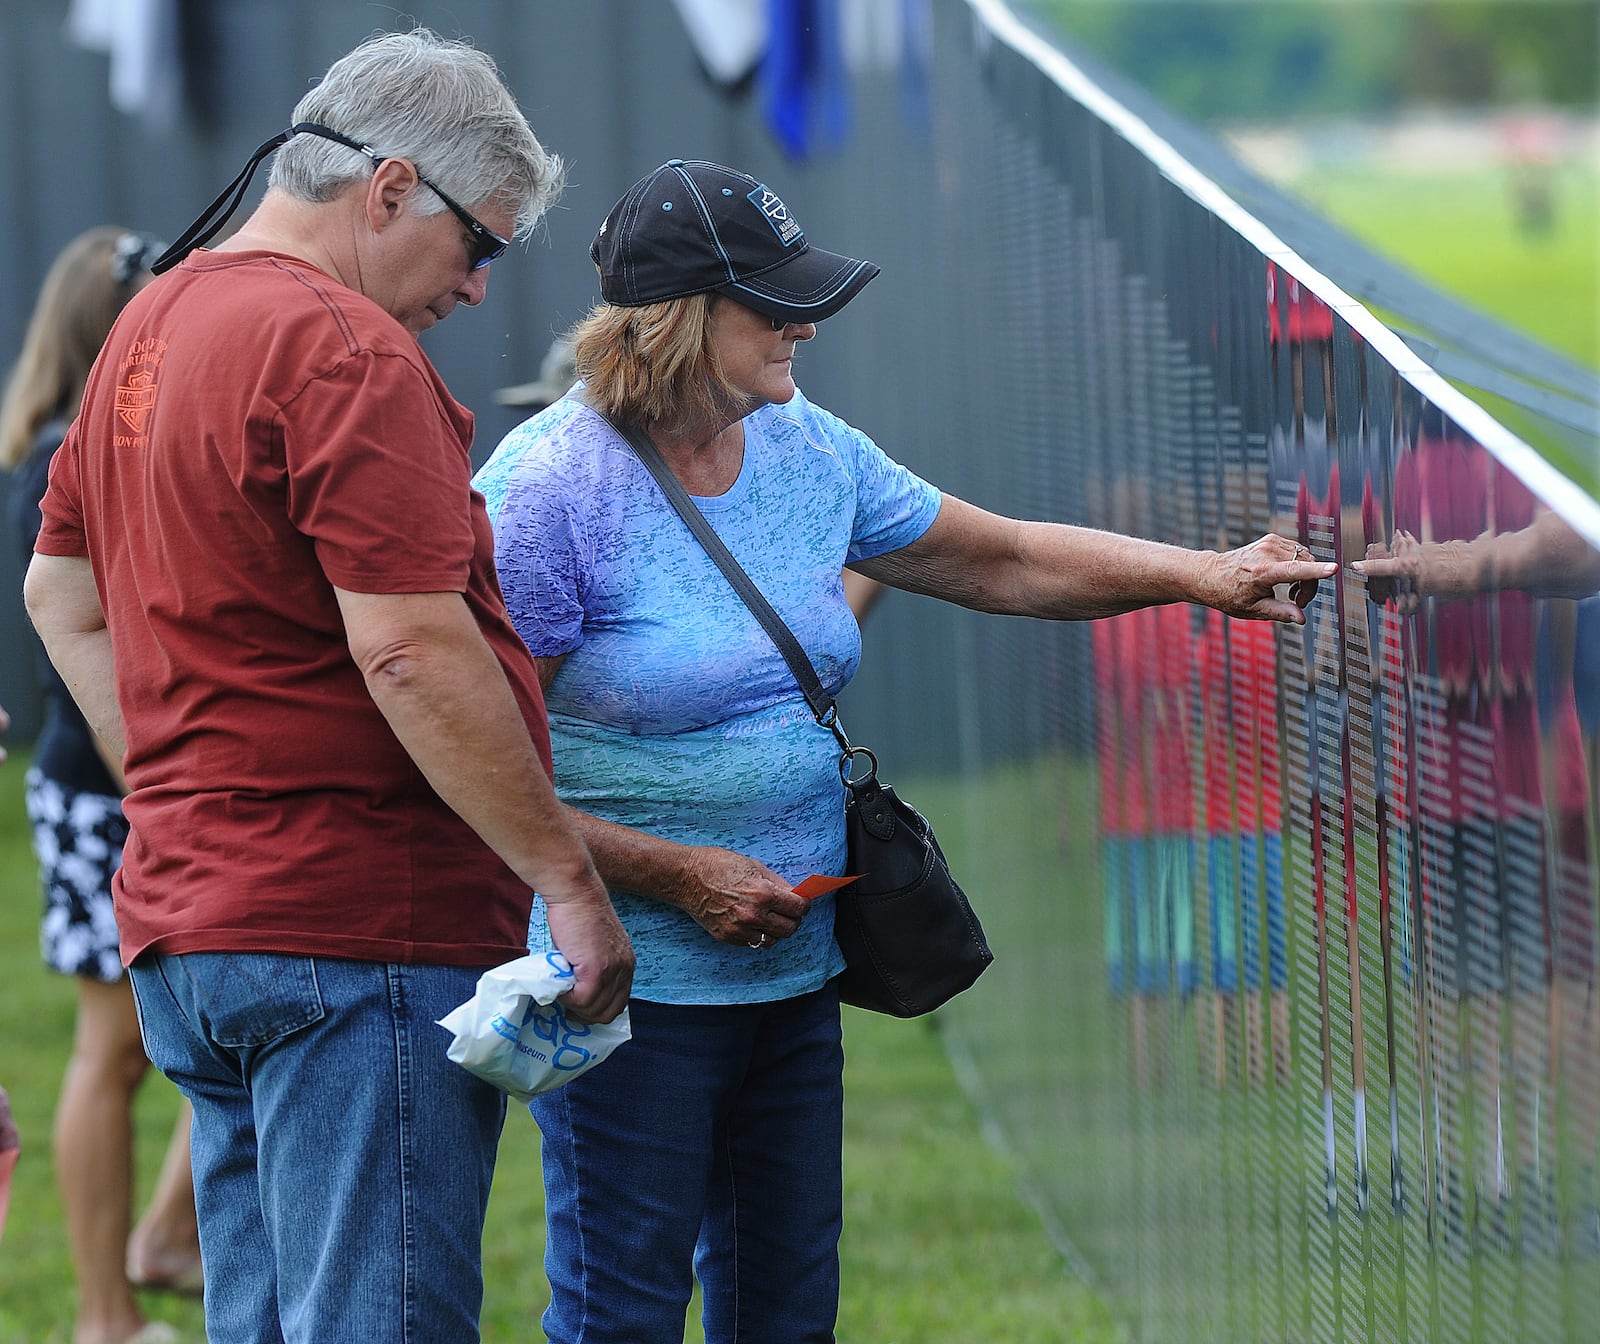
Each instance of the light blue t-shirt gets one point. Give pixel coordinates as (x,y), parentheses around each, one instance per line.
(673,711)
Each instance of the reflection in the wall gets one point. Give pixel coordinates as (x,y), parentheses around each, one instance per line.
(1496,600)
(1298,1034)
(1391,874)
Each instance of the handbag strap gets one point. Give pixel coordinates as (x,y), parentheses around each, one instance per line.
(805,672)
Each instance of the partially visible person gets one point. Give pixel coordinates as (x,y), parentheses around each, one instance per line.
(1467,564)
(10,1150)
(335,743)
(1216,724)
(10,1140)
(710,1143)
(1129,899)
(1546,557)
(1165,635)
(1236,667)
(74,799)
(557,374)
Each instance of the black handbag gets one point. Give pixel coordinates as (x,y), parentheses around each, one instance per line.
(910,939)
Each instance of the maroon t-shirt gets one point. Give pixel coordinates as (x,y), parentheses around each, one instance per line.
(254,435)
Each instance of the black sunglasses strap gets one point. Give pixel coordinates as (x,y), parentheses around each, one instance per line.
(822,705)
(215,215)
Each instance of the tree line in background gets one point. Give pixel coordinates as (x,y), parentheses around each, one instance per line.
(1271,59)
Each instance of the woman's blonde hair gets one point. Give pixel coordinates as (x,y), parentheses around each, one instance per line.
(82,294)
(654,364)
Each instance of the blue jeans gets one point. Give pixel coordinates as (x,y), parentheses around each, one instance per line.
(341,1161)
(707,1145)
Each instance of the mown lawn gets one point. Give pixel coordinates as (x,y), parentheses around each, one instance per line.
(939,1245)
(1459,230)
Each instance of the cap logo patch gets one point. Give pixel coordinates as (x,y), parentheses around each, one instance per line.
(777,213)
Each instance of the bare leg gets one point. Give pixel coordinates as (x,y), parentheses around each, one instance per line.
(164,1250)
(94,1158)
(10,1147)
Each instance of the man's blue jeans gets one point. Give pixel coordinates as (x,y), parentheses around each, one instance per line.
(707,1145)
(341,1161)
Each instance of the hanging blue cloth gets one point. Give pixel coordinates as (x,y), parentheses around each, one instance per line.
(916,62)
(804,93)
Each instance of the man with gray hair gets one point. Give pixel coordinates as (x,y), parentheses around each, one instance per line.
(262,523)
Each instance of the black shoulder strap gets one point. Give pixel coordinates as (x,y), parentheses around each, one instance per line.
(822,706)
(215,215)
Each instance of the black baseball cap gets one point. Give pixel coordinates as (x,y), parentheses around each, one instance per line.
(691,227)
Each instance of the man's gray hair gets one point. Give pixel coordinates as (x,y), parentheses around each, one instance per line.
(441,104)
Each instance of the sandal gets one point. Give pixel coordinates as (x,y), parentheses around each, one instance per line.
(188,1282)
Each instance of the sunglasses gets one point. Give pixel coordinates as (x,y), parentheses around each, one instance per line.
(484,247)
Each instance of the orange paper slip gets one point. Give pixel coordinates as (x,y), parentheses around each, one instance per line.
(817,885)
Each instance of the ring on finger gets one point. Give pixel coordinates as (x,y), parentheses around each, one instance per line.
(761,941)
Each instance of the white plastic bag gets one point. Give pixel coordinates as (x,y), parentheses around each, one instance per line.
(515,1033)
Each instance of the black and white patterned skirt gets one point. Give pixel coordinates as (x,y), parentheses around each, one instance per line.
(77,838)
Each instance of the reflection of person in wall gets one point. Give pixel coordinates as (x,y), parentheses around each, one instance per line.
(1528,552)
(1546,557)
(1574,1027)
(1238,678)
(1442,495)
(1217,719)
(1133,970)
(1509,659)
(1136,914)
(1391,810)
(1300,331)
(1237,669)
(1165,665)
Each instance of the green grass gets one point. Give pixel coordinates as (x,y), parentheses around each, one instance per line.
(1458,230)
(1198,1205)
(939,1245)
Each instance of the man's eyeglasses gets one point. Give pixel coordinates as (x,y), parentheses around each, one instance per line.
(485,246)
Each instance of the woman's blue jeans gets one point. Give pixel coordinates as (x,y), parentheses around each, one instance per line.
(707,1145)
(341,1161)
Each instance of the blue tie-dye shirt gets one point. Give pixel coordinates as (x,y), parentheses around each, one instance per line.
(673,711)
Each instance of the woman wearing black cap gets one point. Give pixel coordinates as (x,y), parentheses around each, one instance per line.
(709,1145)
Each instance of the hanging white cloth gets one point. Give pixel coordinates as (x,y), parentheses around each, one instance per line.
(729,36)
(142,39)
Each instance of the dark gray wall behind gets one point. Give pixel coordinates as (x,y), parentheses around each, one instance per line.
(611,85)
